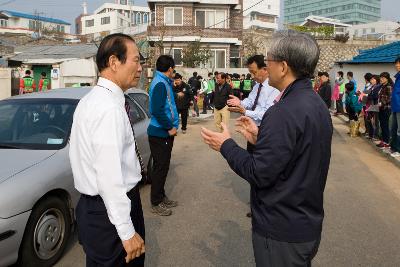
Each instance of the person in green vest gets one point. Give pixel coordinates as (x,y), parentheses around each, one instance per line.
(27,83)
(44,83)
(236,85)
(340,83)
(247,86)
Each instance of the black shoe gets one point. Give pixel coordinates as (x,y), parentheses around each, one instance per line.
(249,214)
(204,112)
(169,203)
(161,209)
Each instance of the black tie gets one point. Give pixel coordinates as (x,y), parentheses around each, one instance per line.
(128,109)
(256,100)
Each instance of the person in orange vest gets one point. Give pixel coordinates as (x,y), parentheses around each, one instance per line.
(27,84)
(44,83)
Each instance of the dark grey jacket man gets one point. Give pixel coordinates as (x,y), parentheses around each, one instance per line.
(288,169)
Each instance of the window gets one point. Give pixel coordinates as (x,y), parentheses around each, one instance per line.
(138,18)
(217,59)
(372,30)
(135,113)
(364,31)
(36,123)
(173,16)
(176,54)
(105,20)
(269,6)
(145,18)
(3,23)
(211,18)
(89,23)
(123,2)
(143,101)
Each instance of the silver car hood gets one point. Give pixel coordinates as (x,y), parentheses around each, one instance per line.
(14,161)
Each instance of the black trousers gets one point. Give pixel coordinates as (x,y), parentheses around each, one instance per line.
(161,149)
(353,116)
(339,104)
(384,116)
(184,117)
(273,253)
(99,237)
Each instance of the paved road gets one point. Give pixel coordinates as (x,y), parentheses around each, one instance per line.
(209,228)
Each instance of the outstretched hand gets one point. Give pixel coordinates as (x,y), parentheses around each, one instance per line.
(247,127)
(214,139)
(233,101)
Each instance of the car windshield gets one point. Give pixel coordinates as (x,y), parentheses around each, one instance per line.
(36,123)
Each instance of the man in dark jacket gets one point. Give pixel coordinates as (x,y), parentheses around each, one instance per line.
(325,90)
(221,96)
(183,95)
(288,169)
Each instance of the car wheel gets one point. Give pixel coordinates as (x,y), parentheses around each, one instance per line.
(46,233)
(150,166)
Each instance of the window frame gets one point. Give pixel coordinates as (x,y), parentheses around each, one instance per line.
(173,17)
(87,23)
(105,20)
(167,51)
(225,26)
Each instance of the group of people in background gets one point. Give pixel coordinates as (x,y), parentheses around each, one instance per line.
(27,84)
(377,102)
(215,90)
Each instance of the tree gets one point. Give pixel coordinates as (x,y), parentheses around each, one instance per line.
(250,45)
(194,55)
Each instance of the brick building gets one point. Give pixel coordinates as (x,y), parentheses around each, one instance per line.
(217,24)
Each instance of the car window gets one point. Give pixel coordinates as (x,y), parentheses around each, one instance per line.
(36,123)
(135,113)
(143,101)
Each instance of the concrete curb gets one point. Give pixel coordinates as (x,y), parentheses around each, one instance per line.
(396,161)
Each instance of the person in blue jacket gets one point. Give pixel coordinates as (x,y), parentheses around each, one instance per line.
(162,129)
(354,108)
(288,168)
(395,143)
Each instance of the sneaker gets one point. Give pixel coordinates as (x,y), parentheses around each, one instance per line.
(161,209)
(395,154)
(381,144)
(169,203)
(183,131)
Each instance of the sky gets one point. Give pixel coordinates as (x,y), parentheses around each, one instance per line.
(68,10)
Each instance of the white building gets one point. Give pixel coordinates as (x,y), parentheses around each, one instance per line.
(17,22)
(261,15)
(116,17)
(339,28)
(384,30)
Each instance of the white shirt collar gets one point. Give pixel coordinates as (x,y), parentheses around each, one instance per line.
(105,83)
(265,83)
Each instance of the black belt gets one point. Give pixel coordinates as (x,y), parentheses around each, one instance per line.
(130,194)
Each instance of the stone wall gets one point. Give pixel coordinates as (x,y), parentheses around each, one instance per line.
(331,51)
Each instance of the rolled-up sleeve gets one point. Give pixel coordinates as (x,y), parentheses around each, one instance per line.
(108,147)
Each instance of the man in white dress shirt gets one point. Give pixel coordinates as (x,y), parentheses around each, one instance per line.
(104,162)
(260,99)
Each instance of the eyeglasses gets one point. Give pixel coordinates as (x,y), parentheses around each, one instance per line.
(266,60)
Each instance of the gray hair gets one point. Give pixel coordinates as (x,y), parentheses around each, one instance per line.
(299,50)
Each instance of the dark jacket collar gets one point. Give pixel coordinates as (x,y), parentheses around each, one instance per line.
(303,83)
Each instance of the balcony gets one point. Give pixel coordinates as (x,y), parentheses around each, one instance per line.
(179,31)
